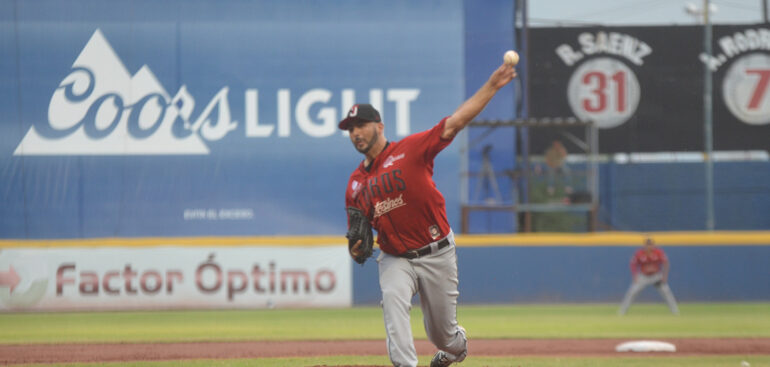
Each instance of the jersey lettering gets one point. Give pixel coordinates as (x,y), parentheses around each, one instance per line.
(374,188)
(400,183)
(386,184)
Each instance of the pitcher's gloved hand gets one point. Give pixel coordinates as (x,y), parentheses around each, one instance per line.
(360,237)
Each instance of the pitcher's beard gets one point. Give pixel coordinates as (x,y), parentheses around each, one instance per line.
(368,145)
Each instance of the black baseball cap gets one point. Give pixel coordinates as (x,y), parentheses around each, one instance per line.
(362,112)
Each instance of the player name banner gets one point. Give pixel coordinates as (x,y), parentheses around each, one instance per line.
(644,86)
(63,279)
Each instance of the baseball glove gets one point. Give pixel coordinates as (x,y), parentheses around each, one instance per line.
(359,229)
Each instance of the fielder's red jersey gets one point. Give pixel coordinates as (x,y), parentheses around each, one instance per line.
(650,263)
(398,195)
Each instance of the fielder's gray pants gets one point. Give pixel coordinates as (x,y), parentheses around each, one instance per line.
(434,277)
(643,281)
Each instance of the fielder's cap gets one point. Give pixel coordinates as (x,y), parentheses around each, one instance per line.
(362,112)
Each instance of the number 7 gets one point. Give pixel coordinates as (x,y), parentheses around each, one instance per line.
(761,88)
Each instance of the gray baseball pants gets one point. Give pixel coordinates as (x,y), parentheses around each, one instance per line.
(434,277)
(643,281)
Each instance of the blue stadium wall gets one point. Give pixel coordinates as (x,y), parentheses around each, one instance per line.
(274,164)
(595,269)
(671,196)
(664,197)
(209,118)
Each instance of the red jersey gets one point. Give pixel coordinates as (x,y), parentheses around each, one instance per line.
(650,263)
(397,193)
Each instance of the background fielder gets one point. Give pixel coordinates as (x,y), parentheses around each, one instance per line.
(393,187)
(649,266)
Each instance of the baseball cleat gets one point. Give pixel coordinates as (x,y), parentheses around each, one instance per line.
(440,359)
(443,359)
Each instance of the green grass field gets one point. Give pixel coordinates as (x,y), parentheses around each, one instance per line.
(723,320)
(721,361)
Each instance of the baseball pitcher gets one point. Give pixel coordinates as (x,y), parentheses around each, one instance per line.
(392,191)
(649,266)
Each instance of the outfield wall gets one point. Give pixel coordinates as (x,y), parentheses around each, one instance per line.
(263,272)
(729,266)
(173,273)
(209,118)
(671,196)
(204,118)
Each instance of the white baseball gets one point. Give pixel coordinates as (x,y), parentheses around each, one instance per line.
(745,364)
(511,57)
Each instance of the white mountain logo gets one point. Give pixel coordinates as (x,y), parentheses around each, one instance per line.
(101,109)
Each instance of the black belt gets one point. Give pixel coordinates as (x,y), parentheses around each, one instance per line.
(420,252)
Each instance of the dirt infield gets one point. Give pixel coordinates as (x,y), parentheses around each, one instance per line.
(62,353)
